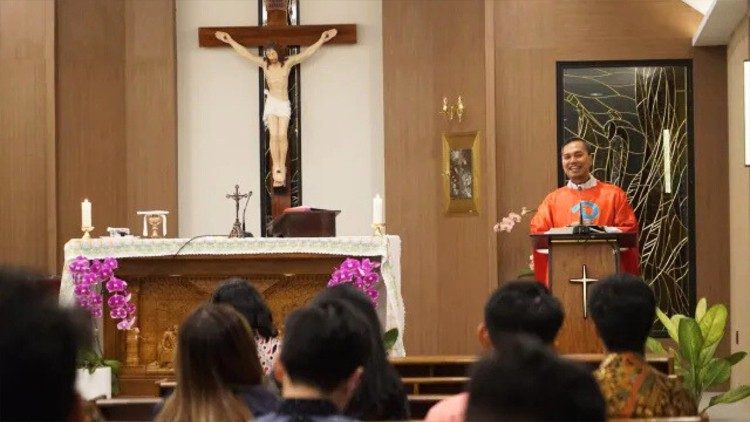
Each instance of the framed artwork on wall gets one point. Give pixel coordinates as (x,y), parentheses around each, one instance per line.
(460,170)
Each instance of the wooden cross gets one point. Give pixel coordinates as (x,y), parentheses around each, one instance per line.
(277,30)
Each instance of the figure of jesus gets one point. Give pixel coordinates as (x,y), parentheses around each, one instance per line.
(277,109)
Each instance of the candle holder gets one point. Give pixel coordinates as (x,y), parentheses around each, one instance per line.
(378,229)
(86,230)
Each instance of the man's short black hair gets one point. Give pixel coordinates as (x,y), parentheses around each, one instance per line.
(521,306)
(577,139)
(623,309)
(524,380)
(39,342)
(325,344)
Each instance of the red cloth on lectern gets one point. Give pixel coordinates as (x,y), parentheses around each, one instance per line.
(604,204)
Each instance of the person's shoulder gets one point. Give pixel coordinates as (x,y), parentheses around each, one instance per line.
(452,408)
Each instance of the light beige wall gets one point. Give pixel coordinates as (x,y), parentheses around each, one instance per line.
(738,50)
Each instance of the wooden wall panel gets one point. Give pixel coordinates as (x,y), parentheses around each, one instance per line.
(738,50)
(445,271)
(27,132)
(531,36)
(90,115)
(150,110)
(116,112)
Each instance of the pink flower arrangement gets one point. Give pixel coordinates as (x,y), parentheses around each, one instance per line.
(361,273)
(88,276)
(508,222)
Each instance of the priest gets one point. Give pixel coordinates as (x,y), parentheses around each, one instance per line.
(584,199)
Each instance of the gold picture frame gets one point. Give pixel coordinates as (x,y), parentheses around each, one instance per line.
(461,177)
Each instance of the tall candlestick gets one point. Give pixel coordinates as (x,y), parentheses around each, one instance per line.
(85,213)
(377,210)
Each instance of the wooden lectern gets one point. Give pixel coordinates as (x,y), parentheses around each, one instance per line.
(575,263)
(305,223)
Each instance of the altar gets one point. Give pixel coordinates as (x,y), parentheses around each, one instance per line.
(169,277)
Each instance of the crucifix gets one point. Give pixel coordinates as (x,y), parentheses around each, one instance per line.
(280,109)
(237,230)
(585,280)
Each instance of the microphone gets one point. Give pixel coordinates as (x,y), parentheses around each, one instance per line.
(581,228)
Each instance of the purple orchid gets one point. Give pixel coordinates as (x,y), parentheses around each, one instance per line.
(361,274)
(88,278)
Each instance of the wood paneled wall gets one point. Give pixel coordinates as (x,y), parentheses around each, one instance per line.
(446,275)
(525,39)
(27,134)
(87,110)
(116,114)
(532,36)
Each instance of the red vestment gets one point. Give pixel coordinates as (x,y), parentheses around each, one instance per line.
(603,205)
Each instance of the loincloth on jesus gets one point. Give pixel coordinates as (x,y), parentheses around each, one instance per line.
(276,107)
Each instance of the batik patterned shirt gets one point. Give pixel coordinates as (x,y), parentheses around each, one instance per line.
(633,389)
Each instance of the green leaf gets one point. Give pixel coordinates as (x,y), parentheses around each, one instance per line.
(700,309)
(707,353)
(114,364)
(713,323)
(654,346)
(692,340)
(667,323)
(389,338)
(716,372)
(736,357)
(526,272)
(730,396)
(690,347)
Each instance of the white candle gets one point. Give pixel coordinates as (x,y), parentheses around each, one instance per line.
(85,213)
(377,210)
(164,225)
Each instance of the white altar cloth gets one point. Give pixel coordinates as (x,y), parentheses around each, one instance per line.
(387,247)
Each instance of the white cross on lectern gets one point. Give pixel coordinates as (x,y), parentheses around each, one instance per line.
(585,280)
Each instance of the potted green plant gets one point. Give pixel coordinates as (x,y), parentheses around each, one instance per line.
(98,376)
(697,338)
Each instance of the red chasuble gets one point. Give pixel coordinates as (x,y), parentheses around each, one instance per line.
(603,205)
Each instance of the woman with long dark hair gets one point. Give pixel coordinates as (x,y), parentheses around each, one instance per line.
(219,377)
(381,394)
(245,299)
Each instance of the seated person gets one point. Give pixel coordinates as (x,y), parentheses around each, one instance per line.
(322,358)
(39,343)
(245,299)
(623,308)
(525,381)
(381,395)
(516,307)
(219,377)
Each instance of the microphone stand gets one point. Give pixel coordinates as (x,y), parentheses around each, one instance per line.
(581,228)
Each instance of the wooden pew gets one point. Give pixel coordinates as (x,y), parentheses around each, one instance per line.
(128,408)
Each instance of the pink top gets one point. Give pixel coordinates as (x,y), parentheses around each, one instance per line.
(267,352)
(451,409)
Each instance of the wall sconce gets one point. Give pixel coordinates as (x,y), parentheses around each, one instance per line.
(450,110)
(747,112)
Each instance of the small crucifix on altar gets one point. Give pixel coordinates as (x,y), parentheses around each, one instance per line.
(237,229)
(278,107)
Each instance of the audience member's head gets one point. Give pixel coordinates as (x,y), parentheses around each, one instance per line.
(215,353)
(623,309)
(380,395)
(521,307)
(523,380)
(246,300)
(39,343)
(325,348)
